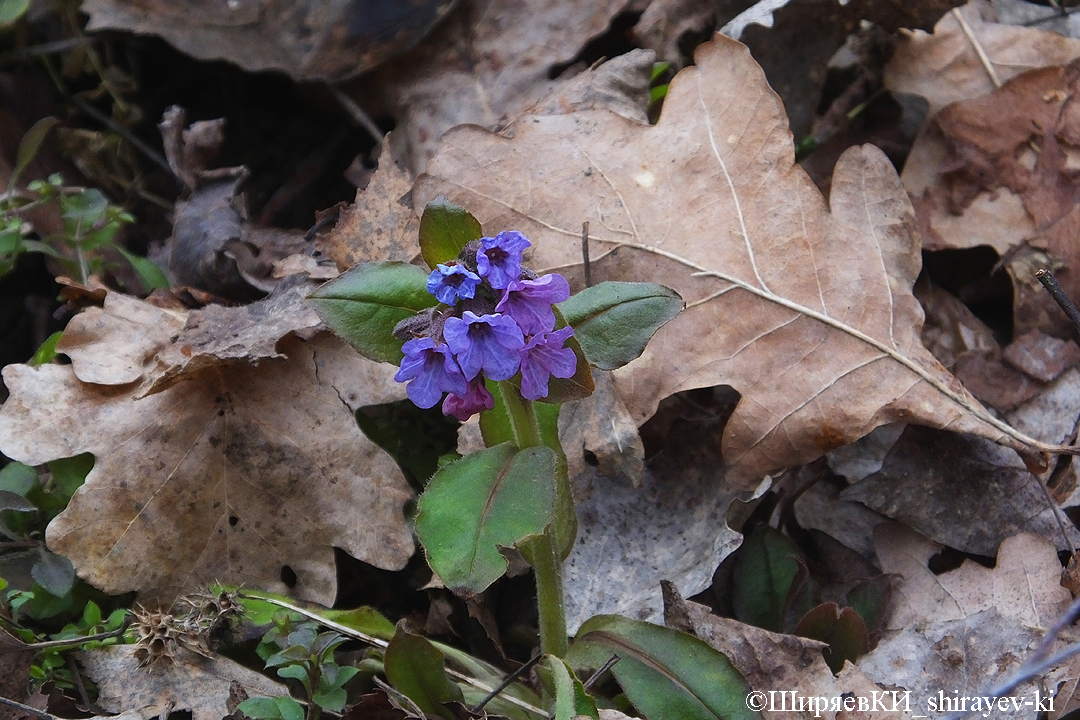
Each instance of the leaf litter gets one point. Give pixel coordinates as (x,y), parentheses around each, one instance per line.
(777,286)
(268,480)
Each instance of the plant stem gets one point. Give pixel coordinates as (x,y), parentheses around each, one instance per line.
(522,417)
(547,566)
(540,551)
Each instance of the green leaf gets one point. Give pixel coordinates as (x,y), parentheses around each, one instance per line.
(31,141)
(261,708)
(13,502)
(150,275)
(70,473)
(580,384)
(18,478)
(446,228)
(872,600)
(53,572)
(365,304)
(362,619)
(417,669)
(571,700)
(292,672)
(495,428)
(665,673)
(47,352)
(289,708)
(472,506)
(492,677)
(763,575)
(613,321)
(332,700)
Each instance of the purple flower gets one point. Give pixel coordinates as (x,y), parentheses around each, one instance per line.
(477,399)
(529,302)
(499,258)
(431,369)
(489,343)
(543,357)
(450,282)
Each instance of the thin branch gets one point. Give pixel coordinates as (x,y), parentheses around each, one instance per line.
(357,113)
(27,709)
(1060,296)
(506,683)
(987,65)
(585,253)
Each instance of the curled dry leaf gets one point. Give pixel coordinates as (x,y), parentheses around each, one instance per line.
(807,312)
(252,473)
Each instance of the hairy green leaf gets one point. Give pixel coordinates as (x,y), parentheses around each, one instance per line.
(613,321)
(365,304)
(495,497)
(665,673)
(417,669)
(445,228)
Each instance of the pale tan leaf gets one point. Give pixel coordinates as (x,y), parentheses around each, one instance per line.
(192,682)
(944,66)
(807,313)
(236,472)
(380,224)
(1024,585)
(116,344)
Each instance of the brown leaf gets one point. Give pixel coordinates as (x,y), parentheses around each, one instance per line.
(1041,356)
(380,224)
(967,629)
(307,39)
(776,662)
(963,492)
(945,67)
(116,344)
(192,682)
(807,313)
(490,59)
(237,472)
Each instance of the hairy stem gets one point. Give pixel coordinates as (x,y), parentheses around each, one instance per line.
(541,551)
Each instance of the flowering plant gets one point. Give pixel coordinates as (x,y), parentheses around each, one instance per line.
(484,334)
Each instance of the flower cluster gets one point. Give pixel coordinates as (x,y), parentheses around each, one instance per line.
(496,321)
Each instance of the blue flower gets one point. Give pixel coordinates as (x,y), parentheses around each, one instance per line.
(450,282)
(529,302)
(432,370)
(499,258)
(544,357)
(489,343)
(477,399)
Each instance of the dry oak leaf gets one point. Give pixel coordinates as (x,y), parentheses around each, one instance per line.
(805,312)
(250,474)
(191,682)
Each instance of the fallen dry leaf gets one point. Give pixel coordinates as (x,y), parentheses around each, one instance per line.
(308,40)
(777,662)
(807,313)
(961,631)
(251,473)
(669,525)
(380,224)
(489,59)
(964,492)
(116,344)
(192,682)
(944,66)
